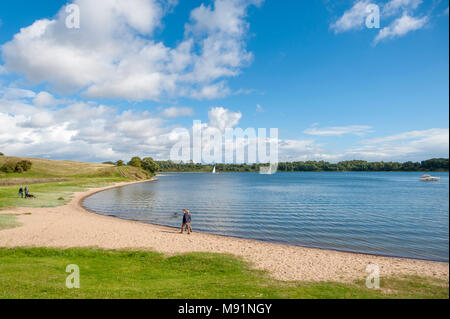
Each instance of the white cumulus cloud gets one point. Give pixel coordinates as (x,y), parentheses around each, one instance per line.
(398,14)
(354,18)
(400,27)
(89,131)
(222,118)
(395,6)
(114,54)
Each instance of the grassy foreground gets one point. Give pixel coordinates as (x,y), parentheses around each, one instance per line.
(40,273)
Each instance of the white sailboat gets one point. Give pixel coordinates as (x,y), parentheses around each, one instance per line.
(214,170)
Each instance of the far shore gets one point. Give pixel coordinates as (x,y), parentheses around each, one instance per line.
(72,226)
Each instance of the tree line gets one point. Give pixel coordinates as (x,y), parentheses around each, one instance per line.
(435,164)
(147,164)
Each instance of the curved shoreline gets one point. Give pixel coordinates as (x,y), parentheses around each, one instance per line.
(99,190)
(73,225)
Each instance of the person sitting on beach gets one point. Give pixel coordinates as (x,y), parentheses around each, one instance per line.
(20,192)
(186,220)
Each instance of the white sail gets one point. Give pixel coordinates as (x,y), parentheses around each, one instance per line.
(214,170)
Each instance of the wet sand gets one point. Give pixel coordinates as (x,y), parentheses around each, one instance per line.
(73,226)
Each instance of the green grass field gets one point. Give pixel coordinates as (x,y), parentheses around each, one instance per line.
(40,273)
(52,194)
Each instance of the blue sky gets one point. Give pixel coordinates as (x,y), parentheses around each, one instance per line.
(335,89)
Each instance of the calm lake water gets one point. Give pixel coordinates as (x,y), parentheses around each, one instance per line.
(391,214)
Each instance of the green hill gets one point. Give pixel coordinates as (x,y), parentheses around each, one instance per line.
(54,182)
(43,169)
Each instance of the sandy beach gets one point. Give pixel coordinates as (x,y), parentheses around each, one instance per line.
(73,226)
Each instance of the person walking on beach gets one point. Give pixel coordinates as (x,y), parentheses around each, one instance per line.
(26,191)
(20,192)
(186,221)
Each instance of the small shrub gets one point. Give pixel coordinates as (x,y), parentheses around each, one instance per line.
(136,162)
(150,165)
(8,167)
(120,163)
(61,198)
(18,167)
(25,165)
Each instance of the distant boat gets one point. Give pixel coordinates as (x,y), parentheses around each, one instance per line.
(429,178)
(214,170)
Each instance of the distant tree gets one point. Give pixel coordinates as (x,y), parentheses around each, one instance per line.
(436,164)
(16,167)
(109,163)
(136,162)
(440,164)
(1,154)
(23,166)
(120,163)
(8,167)
(149,165)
